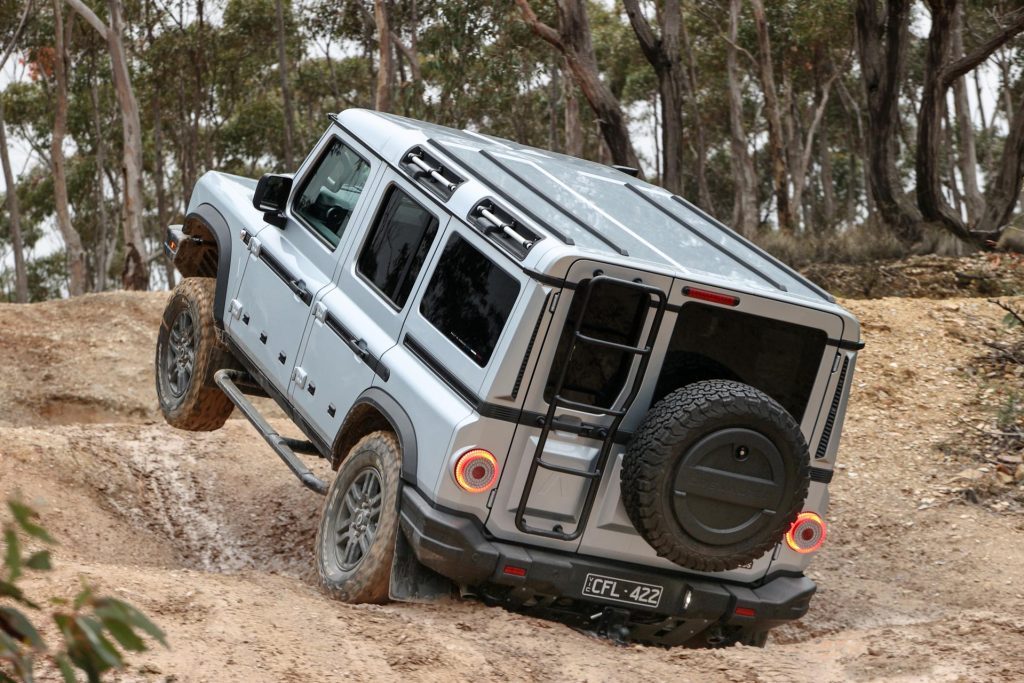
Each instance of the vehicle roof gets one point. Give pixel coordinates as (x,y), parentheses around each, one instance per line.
(597,208)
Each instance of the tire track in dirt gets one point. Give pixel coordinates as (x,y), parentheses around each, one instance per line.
(213,537)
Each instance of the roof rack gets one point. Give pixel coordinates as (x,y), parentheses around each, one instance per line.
(519,206)
(431,173)
(502,228)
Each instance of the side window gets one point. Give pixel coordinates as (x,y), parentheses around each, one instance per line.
(469,299)
(397,246)
(331,191)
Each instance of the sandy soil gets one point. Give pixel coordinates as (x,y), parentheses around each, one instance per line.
(212,537)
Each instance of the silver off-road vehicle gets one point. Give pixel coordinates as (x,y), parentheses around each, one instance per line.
(541,381)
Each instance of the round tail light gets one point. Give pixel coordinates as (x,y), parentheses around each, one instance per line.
(476,471)
(807,533)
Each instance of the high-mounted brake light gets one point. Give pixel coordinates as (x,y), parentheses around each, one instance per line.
(476,470)
(807,533)
(713,297)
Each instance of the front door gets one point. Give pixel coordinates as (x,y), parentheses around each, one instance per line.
(289,267)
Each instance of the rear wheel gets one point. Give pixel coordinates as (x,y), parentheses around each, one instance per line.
(188,353)
(355,543)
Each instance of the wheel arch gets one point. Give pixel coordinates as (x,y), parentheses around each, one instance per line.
(374,410)
(208,254)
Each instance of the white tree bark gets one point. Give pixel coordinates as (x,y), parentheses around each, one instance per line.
(136,270)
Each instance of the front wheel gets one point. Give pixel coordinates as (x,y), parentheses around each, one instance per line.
(188,353)
(355,543)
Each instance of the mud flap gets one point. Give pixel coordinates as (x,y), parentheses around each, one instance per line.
(413,582)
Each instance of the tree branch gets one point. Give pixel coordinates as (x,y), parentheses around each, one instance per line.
(972,59)
(90,17)
(410,56)
(543,31)
(17,34)
(649,42)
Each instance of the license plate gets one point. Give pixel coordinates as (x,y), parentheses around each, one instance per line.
(621,590)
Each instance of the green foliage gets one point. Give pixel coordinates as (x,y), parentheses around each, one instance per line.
(96,631)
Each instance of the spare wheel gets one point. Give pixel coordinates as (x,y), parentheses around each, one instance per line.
(715,475)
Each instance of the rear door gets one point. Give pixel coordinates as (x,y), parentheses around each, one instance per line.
(355,323)
(598,380)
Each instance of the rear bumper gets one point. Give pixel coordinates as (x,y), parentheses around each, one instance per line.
(456,546)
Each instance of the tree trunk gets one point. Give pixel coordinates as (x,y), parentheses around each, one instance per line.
(939,75)
(138,278)
(574,42)
(136,268)
(385,68)
(663,54)
(828,191)
(776,145)
(163,219)
(1004,189)
(882,51)
(690,89)
(104,247)
(554,95)
(14,211)
(10,187)
(745,213)
(72,240)
(967,156)
(573,129)
(286,90)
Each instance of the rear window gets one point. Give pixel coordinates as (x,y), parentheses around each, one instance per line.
(710,342)
(397,246)
(468,299)
(597,374)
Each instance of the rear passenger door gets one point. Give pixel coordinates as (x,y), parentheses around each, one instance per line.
(355,323)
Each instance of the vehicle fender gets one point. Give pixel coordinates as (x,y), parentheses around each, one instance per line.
(397,418)
(205,222)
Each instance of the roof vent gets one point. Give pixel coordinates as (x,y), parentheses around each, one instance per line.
(431,173)
(503,229)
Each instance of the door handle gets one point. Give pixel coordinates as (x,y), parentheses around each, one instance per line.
(360,348)
(298,287)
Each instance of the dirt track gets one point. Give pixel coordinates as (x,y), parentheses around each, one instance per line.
(212,537)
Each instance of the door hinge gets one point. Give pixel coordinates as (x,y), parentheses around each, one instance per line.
(236,309)
(299,376)
(319,311)
(255,246)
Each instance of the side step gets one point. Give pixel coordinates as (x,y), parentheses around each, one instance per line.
(284,446)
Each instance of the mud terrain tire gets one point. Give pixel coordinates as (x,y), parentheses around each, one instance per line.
(188,353)
(355,542)
(715,475)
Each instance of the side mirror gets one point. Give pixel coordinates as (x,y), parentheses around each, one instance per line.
(271,197)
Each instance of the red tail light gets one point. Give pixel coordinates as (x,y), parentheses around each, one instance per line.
(476,470)
(807,533)
(713,297)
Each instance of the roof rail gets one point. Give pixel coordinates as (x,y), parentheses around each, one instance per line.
(636,190)
(789,270)
(561,209)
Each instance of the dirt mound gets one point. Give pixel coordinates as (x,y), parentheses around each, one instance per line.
(931,277)
(212,536)
(85,360)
